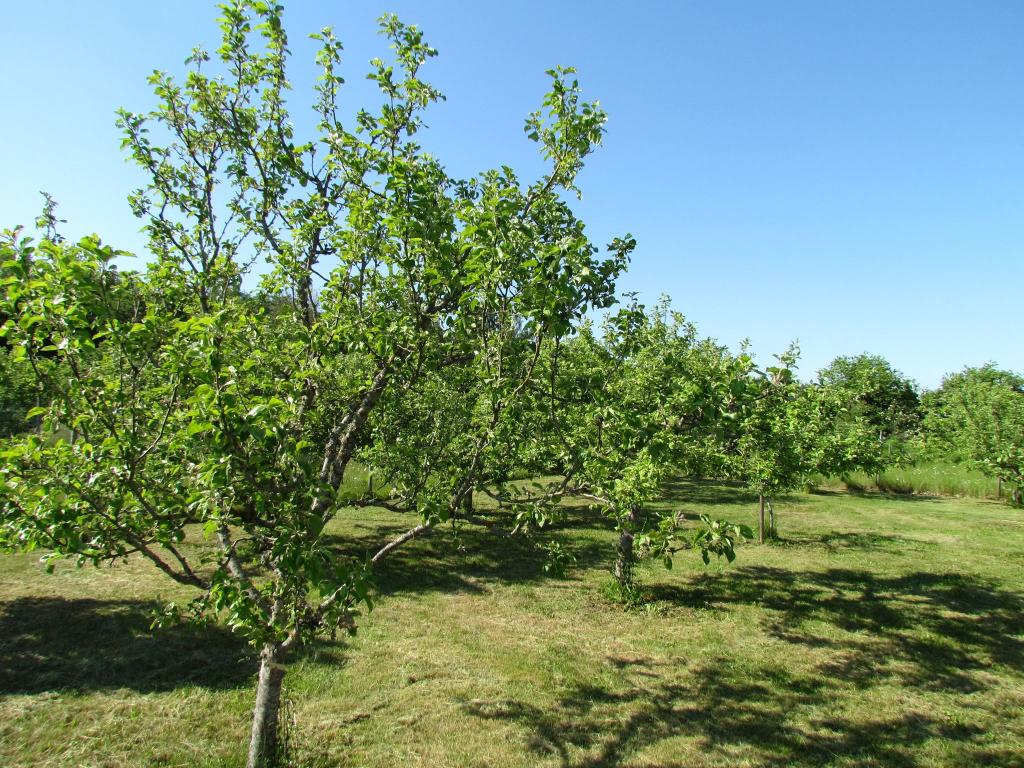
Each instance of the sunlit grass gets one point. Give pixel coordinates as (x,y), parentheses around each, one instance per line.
(878,631)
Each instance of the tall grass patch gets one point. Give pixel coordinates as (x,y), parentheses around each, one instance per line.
(935,478)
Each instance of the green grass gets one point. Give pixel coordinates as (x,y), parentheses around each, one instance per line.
(880,631)
(935,478)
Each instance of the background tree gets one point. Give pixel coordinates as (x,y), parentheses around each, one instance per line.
(211,431)
(882,398)
(19,394)
(21,390)
(977,417)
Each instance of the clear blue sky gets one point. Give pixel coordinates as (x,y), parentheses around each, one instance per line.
(850,175)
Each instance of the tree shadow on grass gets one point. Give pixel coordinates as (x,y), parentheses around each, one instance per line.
(865,493)
(471,558)
(696,491)
(54,644)
(717,715)
(932,631)
(723,493)
(926,632)
(866,541)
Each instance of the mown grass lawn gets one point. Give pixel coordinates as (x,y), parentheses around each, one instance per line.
(880,631)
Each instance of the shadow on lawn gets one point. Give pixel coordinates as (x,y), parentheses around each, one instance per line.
(708,492)
(835,541)
(53,644)
(931,631)
(727,718)
(921,631)
(467,559)
(883,495)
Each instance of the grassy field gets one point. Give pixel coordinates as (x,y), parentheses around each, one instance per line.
(879,631)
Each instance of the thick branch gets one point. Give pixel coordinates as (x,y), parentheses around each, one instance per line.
(341,444)
(412,533)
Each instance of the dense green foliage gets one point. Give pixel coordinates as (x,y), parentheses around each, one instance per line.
(784,432)
(977,417)
(634,407)
(878,398)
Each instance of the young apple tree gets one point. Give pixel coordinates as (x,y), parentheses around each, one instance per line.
(772,442)
(210,430)
(620,414)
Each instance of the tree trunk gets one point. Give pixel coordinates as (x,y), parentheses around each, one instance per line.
(263,744)
(760,520)
(624,551)
(772,533)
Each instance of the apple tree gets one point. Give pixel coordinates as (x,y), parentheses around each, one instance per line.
(621,412)
(210,429)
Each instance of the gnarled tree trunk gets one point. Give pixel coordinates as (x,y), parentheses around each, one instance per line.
(263,743)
